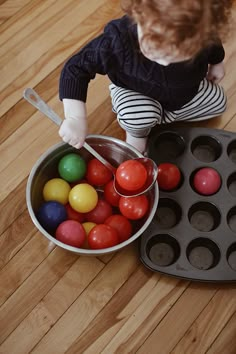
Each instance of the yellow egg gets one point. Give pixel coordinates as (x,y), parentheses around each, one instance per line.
(56,189)
(83,198)
(88,226)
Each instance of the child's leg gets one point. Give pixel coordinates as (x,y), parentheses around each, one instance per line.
(136,114)
(209,102)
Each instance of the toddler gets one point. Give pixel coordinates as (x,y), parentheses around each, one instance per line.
(164,59)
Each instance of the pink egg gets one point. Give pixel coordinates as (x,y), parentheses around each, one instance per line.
(71,232)
(207,181)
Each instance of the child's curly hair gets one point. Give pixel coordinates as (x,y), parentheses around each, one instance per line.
(185,25)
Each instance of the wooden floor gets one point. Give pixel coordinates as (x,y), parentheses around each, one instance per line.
(52,301)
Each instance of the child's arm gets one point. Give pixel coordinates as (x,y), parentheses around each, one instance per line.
(216,56)
(74,80)
(74,128)
(216,72)
(98,56)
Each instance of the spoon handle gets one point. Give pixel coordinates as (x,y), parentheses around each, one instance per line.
(32,97)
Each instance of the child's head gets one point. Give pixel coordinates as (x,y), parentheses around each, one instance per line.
(175,30)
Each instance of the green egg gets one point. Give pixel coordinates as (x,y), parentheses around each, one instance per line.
(72,167)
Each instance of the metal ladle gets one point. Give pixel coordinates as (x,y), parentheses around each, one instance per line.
(32,97)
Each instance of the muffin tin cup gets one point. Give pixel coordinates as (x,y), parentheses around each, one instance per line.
(193,236)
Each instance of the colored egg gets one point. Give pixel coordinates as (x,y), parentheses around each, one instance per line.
(56,189)
(51,214)
(72,167)
(207,181)
(71,232)
(88,225)
(83,198)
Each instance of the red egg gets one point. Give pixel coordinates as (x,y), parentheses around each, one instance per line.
(100,213)
(121,224)
(134,208)
(97,173)
(207,181)
(131,175)
(102,236)
(110,194)
(73,214)
(169,176)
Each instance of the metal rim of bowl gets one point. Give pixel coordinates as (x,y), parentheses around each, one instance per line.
(83,251)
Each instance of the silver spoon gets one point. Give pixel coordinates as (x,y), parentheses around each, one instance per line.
(32,97)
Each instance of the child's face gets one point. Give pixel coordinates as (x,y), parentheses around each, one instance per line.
(162,56)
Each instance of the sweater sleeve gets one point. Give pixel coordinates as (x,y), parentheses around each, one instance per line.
(101,55)
(216,53)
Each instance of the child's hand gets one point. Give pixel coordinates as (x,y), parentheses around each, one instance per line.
(74,128)
(216,72)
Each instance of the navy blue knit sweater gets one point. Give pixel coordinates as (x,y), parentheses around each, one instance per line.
(116,53)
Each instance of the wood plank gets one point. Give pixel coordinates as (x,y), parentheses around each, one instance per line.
(43,317)
(16,272)
(10,7)
(231,125)
(225,342)
(210,323)
(17,165)
(27,21)
(22,110)
(150,312)
(116,313)
(35,286)
(20,19)
(90,303)
(13,206)
(57,55)
(179,318)
(15,237)
(49,20)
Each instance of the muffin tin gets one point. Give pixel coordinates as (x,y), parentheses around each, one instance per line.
(193,236)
